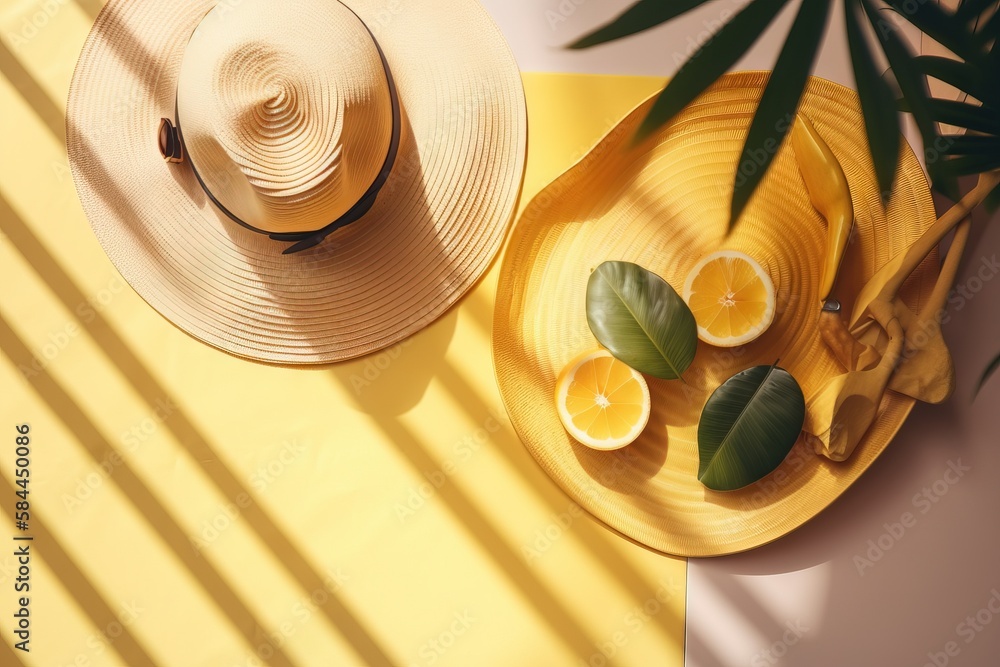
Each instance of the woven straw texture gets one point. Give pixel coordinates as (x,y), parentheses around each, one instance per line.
(664,204)
(286,115)
(436,226)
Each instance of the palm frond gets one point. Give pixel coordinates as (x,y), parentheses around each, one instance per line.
(961,75)
(779,101)
(972,33)
(643,15)
(710,62)
(877,108)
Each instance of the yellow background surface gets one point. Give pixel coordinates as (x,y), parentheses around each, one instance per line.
(190,508)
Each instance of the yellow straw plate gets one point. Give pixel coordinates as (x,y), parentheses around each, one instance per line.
(664,204)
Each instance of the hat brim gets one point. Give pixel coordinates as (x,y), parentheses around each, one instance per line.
(664,205)
(434,230)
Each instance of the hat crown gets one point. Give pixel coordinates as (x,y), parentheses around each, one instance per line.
(285,111)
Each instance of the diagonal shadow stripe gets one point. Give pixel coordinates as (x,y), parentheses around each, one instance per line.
(8,655)
(590,533)
(121,355)
(481,309)
(695,645)
(202,453)
(184,431)
(741,598)
(33,94)
(156,515)
(75,581)
(115,34)
(520,576)
(593,537)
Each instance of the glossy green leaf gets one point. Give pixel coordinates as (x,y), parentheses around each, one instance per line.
(990,370)
(710,62)
(877,102)
(963,76)
(748,426)
(641,16)
(641,320)
(779,101)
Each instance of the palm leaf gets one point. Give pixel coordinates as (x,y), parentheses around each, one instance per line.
(913,86)
(991,30)
(776,110)
(971,144)
(971,9)
(748,426)
(961,75)
(937,24)
(992,201)
(965,33)
(711,62)
(641,320)
(988,372)
(980,119)
(877,102)
(641,16)
(972,164)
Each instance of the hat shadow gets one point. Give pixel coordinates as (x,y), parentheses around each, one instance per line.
(390,382)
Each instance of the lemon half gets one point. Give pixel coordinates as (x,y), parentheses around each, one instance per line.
(602,402)
(731,296)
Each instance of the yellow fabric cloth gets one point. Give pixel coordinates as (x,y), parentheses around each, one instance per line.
(190,508)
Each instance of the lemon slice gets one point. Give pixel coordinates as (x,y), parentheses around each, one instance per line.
(602,402)
(732,298)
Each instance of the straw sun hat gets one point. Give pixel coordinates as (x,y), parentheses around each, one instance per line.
(301,181)
(664,204)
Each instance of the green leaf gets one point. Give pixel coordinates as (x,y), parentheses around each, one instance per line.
(748,426)
(641,320)
(776,110)
(987,373)
(877,103)
(963,76)
(641,16)
(710,62)
(937,24)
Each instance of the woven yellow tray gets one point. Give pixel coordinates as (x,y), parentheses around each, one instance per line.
(663,205)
